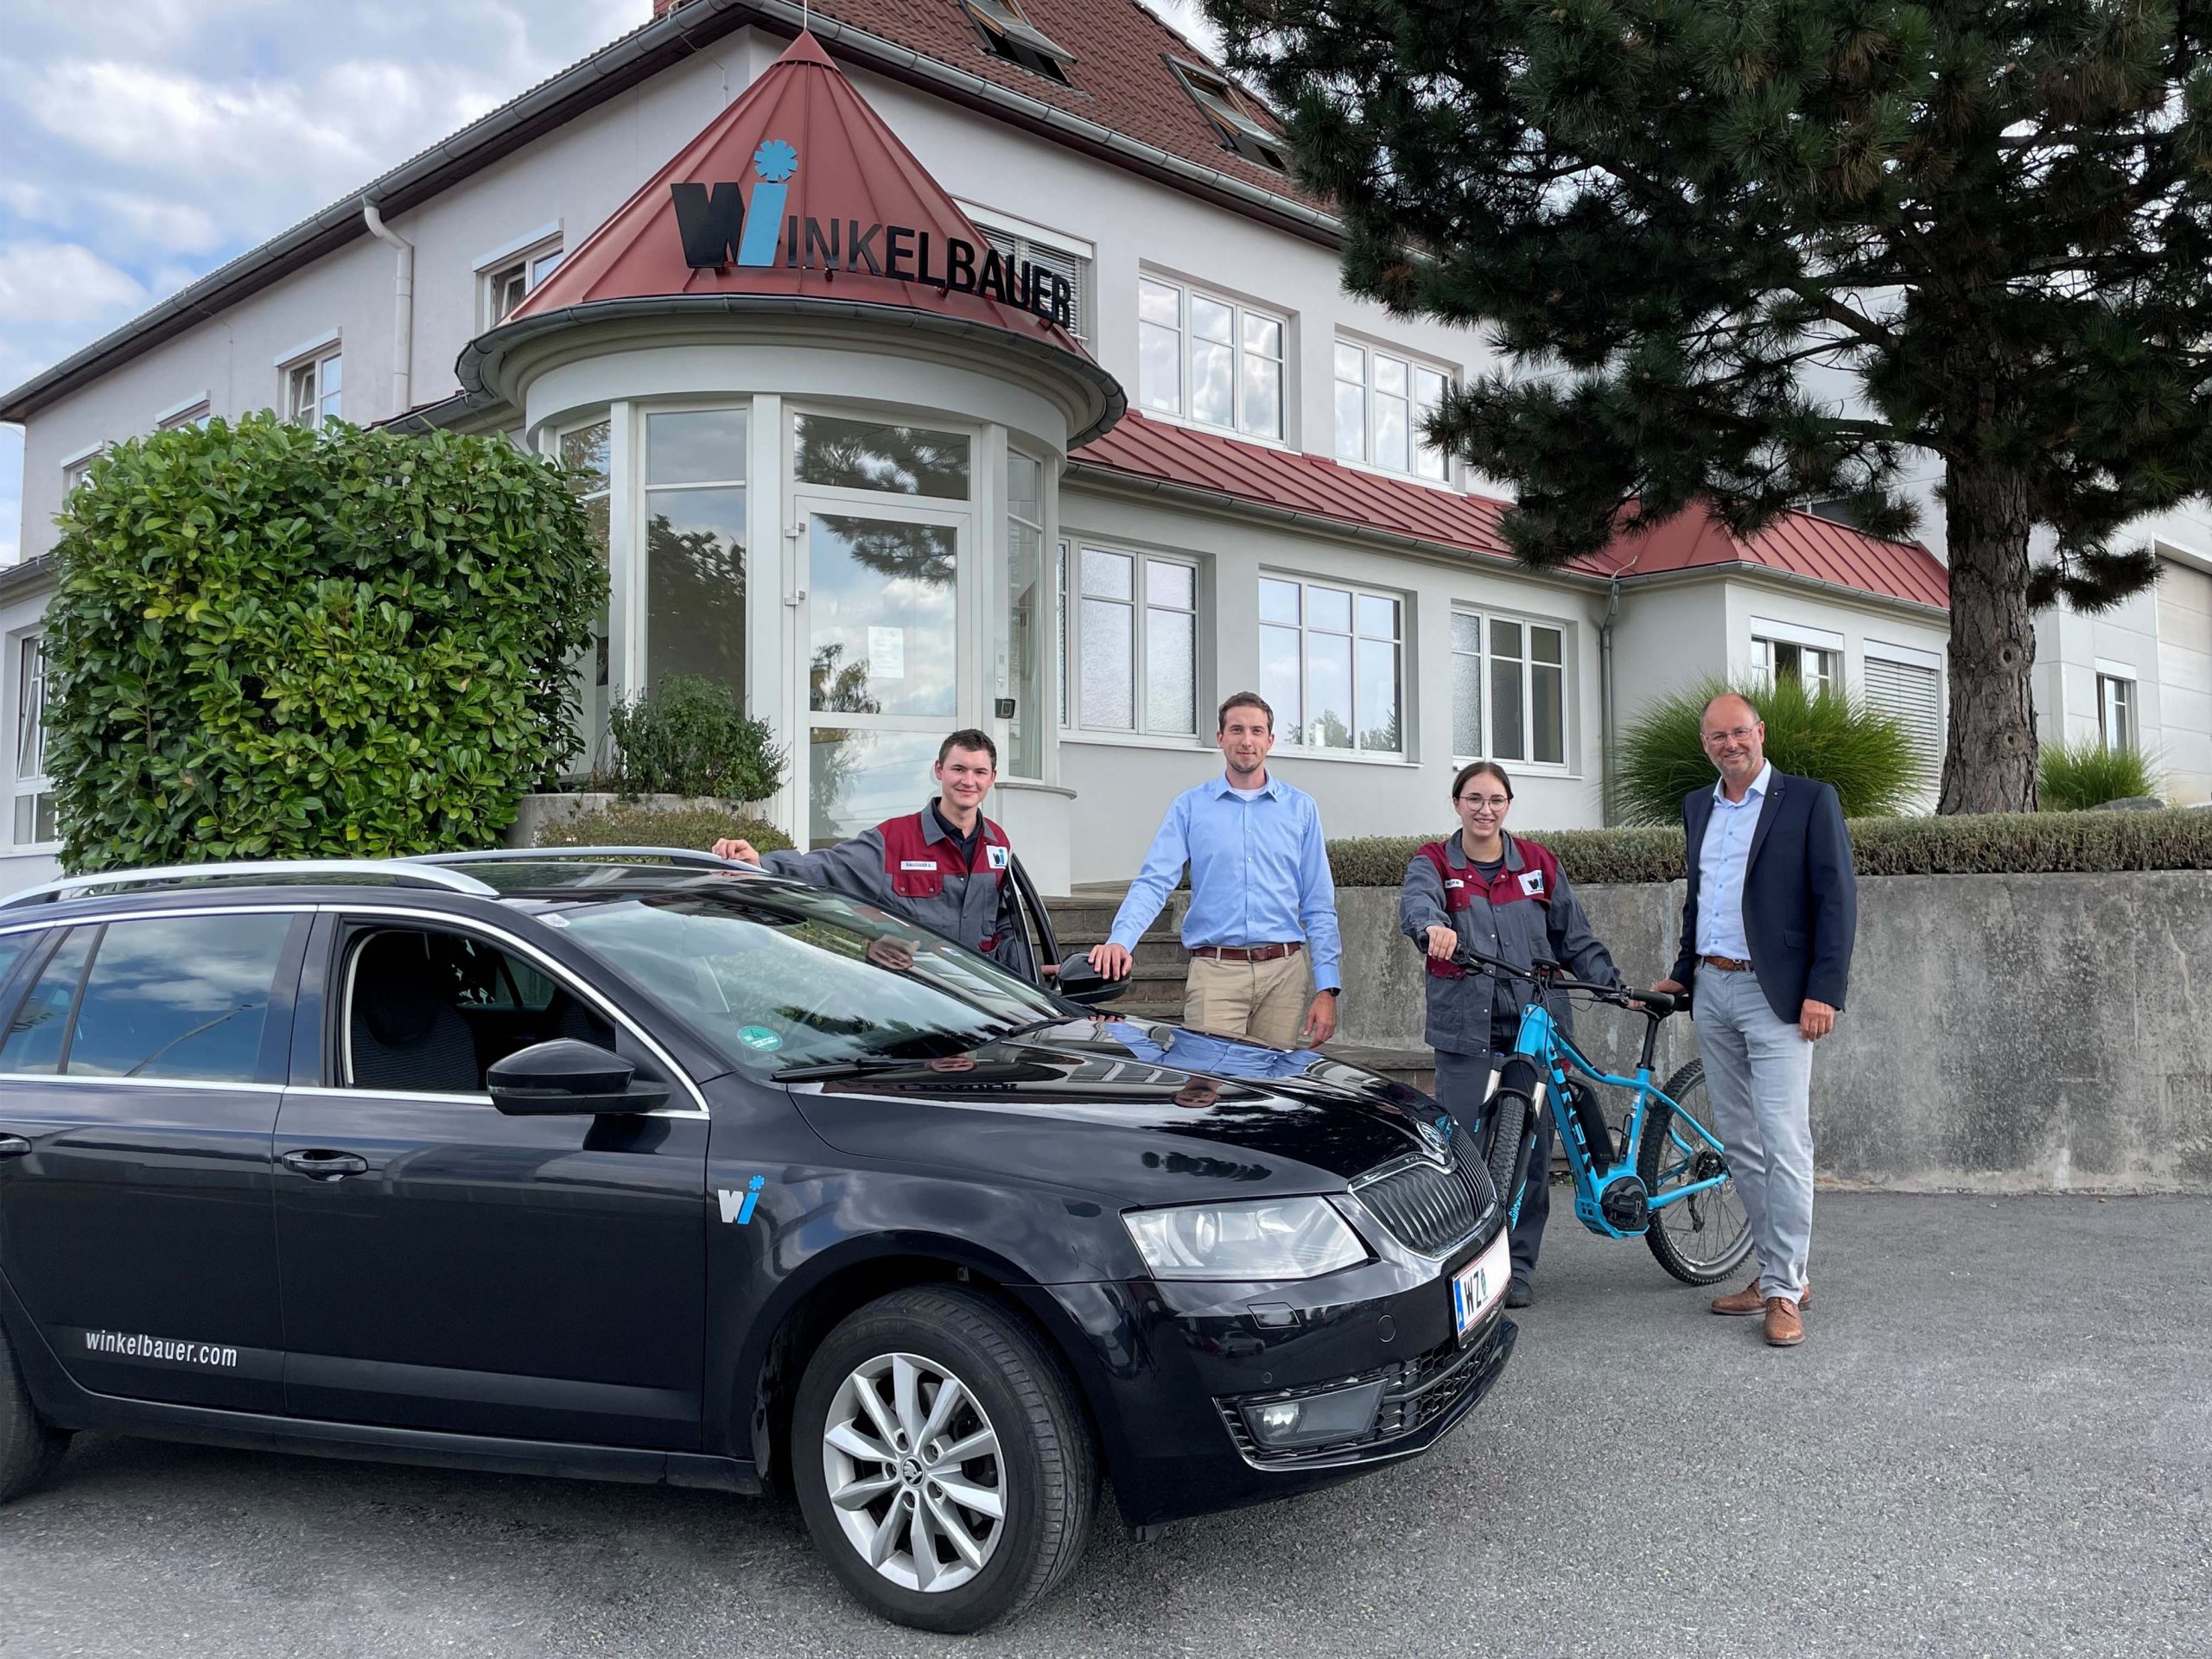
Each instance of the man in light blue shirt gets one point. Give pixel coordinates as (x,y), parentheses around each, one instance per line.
(1263,903)
(1722,858)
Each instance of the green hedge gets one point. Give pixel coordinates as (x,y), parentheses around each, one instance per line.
(700,826)
(2010,843)
(272,642)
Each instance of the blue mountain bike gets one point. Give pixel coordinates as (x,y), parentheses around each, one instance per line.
(1664,1179)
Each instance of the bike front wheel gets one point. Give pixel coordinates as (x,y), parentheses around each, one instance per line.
(1703,1238)
(1507,1135)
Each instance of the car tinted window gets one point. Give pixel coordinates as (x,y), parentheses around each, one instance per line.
(12,946)
(182,997)
(797,977)
(34,1040)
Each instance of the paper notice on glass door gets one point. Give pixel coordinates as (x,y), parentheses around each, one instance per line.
(886,653)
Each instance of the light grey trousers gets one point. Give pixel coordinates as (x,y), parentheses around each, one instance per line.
(1759,1072)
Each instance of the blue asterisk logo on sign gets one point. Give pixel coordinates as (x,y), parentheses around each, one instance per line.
(775,161)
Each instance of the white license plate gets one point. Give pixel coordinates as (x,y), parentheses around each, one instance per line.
(1477,1288)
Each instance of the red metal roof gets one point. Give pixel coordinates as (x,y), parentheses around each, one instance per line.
(1797,544)
(802,143)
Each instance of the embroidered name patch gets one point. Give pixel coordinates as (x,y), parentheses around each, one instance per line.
(1454,882)
(918,864)
(998,856)
(1532,883)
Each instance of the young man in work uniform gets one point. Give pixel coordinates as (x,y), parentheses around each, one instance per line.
(946,867)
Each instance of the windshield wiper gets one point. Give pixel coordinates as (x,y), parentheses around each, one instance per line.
(854,1067)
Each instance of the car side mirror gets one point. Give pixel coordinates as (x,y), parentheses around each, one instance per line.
(568,1079)
(1079,981)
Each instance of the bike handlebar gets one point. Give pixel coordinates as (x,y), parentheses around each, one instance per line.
(1657,1005)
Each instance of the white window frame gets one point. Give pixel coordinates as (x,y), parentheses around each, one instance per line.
(1067,256)
(193,411)
(2120,709)
(315,357)
(529,264)
(1074,716)
(27,703)
(1239,309)
(75,468)
(1487,662)
(1424,463)
(1403,601)
(1768,647)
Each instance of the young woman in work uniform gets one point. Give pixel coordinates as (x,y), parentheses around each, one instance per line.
(1506,898)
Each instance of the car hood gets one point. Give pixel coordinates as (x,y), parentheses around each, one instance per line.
(1142,1113)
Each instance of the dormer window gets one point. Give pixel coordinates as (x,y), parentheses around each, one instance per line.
(1236,116)
(1009,34)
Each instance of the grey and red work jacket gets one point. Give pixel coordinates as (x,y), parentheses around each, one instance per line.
(910,866)
(1528,911)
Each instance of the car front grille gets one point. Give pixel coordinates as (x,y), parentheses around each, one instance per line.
(1428,1207)
(1416,1393)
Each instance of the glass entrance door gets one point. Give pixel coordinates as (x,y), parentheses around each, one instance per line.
(883,634)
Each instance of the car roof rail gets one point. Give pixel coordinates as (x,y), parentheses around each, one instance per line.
(587,854)
(333,872)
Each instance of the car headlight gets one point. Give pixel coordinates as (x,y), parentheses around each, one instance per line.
(1272,1239)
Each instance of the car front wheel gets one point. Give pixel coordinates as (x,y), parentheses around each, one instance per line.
(941,1461)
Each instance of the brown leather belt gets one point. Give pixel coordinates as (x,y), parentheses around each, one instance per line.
(1248,952)
(1726,964)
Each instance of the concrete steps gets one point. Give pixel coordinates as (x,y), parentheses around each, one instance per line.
(1160,967)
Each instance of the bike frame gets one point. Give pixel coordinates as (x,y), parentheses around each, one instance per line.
(1547,1047)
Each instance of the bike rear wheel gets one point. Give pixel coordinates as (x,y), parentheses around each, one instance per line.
(1705,1238)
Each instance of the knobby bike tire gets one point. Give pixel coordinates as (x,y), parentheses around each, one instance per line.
(1509,1135)
(1718,1210)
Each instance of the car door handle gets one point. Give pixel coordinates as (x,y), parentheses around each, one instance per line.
(325,1166)
(13,1146)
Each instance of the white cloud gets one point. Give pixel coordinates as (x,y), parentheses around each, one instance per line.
(117,221)
(51,282)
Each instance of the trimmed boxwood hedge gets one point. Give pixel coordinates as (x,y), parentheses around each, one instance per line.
(1997,843)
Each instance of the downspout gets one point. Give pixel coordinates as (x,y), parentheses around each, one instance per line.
(1606,725)
(402,304)
(1608,717)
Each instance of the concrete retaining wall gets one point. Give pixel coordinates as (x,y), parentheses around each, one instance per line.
(2004,1032)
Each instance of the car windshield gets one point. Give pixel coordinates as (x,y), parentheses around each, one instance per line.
(788,977)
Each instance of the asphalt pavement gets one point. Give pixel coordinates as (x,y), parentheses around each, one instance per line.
(1996,1440)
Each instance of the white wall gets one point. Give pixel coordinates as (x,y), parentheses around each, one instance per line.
(2185,614)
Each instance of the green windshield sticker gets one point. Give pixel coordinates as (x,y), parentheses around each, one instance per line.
(759,1037)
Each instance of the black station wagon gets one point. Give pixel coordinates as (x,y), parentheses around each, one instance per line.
(642,1167)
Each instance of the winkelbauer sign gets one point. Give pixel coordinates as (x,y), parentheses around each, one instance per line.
(720,228)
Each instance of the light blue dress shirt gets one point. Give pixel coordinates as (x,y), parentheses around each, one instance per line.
(1259,874)
(1722,859)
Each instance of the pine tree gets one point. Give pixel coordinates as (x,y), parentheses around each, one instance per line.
(1761,251)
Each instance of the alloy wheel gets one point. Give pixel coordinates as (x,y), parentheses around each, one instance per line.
(913,1471)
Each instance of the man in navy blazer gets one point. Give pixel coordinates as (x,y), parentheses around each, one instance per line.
(1768,921)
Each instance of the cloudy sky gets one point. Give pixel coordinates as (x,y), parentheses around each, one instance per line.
(143,142)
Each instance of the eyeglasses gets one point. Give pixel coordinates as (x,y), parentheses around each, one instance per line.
(1741,735)
(1496,803)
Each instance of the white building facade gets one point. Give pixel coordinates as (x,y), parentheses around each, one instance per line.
(1175,462)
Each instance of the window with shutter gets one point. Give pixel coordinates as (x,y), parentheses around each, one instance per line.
(1914,696)
(1073,266)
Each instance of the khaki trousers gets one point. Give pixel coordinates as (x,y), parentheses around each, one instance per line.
(1263,1001)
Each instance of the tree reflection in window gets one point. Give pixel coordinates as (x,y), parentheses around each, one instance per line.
(872,455)
(696,600)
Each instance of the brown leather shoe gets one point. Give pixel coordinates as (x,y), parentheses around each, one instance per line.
(1748,1300)
(1784,1328)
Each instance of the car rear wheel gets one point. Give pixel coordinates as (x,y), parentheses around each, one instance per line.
(941,1461)
(30,1446)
